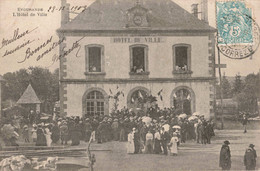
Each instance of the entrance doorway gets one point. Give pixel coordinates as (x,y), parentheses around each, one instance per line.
(183,100)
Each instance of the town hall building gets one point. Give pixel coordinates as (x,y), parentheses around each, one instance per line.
(138,48)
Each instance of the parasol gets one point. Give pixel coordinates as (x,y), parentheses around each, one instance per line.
(176,127)
(166,127)
(196,114)
(183,115)
(146,119)
(192,118)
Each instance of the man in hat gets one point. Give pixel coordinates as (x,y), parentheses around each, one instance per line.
(26,133)
(225,156)
(165,138)
(250,158)
(88,130)
(136,140)
(122,130)
(244,122)
(31,117)
(55,136)
(64,132)
(41,139)
(115,128)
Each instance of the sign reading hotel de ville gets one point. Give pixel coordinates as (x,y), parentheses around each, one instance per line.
(138,39)
(129,85)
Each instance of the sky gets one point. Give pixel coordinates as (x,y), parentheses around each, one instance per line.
(41,28)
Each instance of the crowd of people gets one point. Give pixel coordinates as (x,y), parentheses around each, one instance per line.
(157,131)
(117,126)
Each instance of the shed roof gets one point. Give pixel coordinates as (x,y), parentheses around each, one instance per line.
(29,96)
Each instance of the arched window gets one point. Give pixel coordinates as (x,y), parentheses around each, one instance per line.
(183,100)
(95,103)
(137,98)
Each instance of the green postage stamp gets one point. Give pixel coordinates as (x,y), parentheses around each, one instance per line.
(238,33)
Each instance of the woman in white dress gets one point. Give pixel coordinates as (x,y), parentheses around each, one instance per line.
(48,136)
(130,143)
(173,145)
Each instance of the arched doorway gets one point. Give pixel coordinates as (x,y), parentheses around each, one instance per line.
(183,100)
(95,102)
(137,97)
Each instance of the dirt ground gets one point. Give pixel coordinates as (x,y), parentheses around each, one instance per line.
(191,156)
(112,156)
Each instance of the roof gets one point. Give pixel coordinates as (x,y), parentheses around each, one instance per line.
(111,15)
(29,96)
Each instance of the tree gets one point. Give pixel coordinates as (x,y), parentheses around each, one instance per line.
(247,99)
(226,88)
(45,84)
(237,85)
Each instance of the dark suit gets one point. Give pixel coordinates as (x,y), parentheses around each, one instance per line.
(225,158)
(250,159)
(136,142)
(165,138)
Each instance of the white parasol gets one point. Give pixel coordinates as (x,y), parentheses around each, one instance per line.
(196,114)
(146,119)
(183,115)
(176,127)
(166,127)
(192,118)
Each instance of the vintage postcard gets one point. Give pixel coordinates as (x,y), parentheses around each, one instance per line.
(129,85)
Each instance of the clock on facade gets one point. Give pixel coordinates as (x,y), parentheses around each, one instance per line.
(137,20)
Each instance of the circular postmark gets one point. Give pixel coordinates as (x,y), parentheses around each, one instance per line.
(243,37)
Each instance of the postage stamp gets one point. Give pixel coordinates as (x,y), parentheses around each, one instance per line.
(238,33)
(234,23)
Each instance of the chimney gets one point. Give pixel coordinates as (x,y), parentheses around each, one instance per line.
(204,11)
(194,9)
(65,17)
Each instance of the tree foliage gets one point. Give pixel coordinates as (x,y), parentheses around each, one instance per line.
(237,85)
(226,89)
(247,98)
(45,84)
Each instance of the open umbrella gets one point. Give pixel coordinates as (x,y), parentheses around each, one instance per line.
(176,127)
(192,118)
(166,127)
(196,114)
(183,115)
(146,119)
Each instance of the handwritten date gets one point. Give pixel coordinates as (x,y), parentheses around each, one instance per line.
(73,8)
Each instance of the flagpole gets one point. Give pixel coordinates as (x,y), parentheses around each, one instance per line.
(221,92)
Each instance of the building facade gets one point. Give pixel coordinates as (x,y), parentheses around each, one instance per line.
(139,49)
